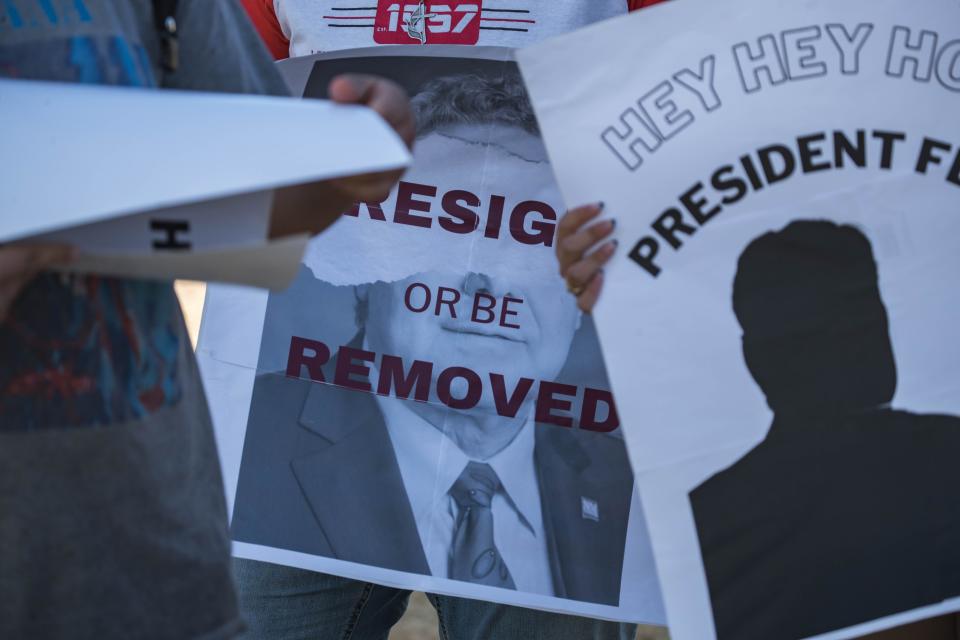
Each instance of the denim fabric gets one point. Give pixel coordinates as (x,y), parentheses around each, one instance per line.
(283,603)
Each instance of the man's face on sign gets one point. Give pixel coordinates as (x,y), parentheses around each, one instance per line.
(483,160)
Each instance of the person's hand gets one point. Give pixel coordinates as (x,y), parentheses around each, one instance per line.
(315,206)
(393,105)
(19,264)
(575,237)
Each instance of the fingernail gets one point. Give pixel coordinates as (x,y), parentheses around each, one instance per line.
(613,223)
(601,205)
(615,242)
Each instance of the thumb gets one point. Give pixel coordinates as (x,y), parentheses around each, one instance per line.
(351,88)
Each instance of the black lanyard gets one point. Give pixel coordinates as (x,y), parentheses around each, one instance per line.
(165,20)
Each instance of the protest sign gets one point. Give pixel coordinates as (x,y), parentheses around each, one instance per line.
(172,184)
(780,325)
(425,407)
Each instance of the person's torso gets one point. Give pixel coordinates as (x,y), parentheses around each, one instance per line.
(112,517)
(84,351)
(315,26)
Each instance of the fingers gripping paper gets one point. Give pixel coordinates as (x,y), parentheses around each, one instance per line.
(781,326)
(172,184)
(425,407)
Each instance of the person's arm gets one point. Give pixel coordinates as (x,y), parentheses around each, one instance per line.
(313,207)
(264,18)
(19,264)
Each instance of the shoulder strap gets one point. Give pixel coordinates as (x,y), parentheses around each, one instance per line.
(165,20)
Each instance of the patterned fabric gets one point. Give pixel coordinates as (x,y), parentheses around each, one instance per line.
(83,351)
(474,556)
(117,531)
(88,351)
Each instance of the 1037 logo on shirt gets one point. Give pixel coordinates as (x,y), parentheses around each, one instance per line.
(422,22)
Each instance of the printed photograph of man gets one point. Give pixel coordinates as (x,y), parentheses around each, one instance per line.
(847,511)
(483,495)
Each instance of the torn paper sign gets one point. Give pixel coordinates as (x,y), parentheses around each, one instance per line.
(427,355)
(440,214)
(446,211)
(221,240)
(783,313)
(234,221)
(190,182)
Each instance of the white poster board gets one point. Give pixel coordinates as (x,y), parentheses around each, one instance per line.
(425,334)
(786,180)
(172,183)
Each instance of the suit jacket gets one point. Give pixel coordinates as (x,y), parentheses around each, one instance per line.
(319,476)
(832,522)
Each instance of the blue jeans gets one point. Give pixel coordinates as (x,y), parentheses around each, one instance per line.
(283,603)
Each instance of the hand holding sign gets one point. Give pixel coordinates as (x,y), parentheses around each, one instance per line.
(584,273)
(391,102)
(188,196)
(292,210)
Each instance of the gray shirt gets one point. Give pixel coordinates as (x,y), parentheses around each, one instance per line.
(112,516)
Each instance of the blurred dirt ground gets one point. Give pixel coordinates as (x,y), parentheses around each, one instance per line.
(420,620)
(418,623)
(191,296)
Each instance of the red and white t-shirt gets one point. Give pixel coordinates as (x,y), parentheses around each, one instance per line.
(302,27)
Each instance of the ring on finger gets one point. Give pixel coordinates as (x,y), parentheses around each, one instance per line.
(574,288)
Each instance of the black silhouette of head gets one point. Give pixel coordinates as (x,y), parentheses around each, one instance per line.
(815,333)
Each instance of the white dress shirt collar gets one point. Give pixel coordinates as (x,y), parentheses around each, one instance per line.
(430,463)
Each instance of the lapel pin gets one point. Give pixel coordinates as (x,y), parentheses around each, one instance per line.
(589,509)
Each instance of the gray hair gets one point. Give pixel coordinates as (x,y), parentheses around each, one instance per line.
(474,99)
